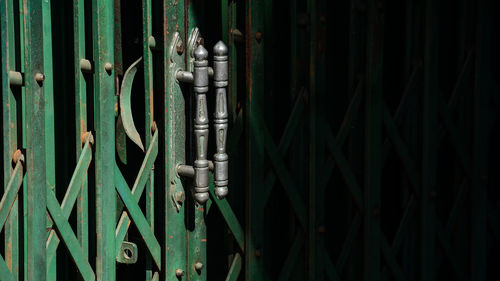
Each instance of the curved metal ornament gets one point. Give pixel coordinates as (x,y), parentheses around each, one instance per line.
(126,106)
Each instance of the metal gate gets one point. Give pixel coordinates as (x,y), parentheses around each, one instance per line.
(249,140)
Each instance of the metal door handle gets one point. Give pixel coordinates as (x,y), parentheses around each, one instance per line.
(200,79)
(220,119)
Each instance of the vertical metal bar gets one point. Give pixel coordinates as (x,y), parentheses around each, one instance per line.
(313,47)
(197,235)
(321,99)
(429,149)
(373,141)
(148,43)
(481,142)
(254,235)
(35,141)
(229,37)
(104,96)
(355,144)
(80,117)
(23,116)
(9,130)
(174,135)
(409,249)
(49,115)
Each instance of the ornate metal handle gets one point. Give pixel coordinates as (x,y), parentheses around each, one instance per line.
(200,88)
(220,119)
(199,78)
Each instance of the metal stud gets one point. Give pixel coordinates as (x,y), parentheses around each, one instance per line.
(108,67)
(198,266)
(179,272)
(39,77)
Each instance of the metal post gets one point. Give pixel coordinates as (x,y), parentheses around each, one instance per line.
(174,134)
(481,142)
(35,141)
(429,149)
(254,231)
(104,121)
(373,144)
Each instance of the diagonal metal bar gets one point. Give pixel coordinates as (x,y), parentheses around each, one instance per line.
(343,165)
(137,189)
(66,233)
(235,269)
(230,218)
(401,148)
(71,194)
(329,267)
(445,243)
(283,174)
(10,194)
(398,116)
(401,231)
(137,216)
(285,140)
(4,271)
(349,242)
(343,132)
(456,138)
(293,254)
(388,253)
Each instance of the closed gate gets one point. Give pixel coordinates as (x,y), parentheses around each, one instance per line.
(248,140)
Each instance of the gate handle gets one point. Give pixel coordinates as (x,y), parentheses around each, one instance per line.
(199,78)
(126,104)
(200,89)
(220,119)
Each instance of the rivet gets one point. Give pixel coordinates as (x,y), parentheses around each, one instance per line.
(151,42)
(153,127)
(180,47)
(198,266)
(108,67)
(39,77)
(258,36)
(322,19)
(179,197)
(321,229)
(258,253)
(179,272)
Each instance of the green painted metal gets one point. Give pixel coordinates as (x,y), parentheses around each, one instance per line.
(104,89)
(35,143)
(254,66)
(174,121)
(350,146)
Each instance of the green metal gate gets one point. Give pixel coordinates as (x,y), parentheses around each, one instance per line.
(249,140)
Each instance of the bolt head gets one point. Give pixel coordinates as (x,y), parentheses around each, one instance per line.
(39,77)
(151,42)
(179,272)
(198,266)
(258,36)
(108,67)
(180,48)
(258,253)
